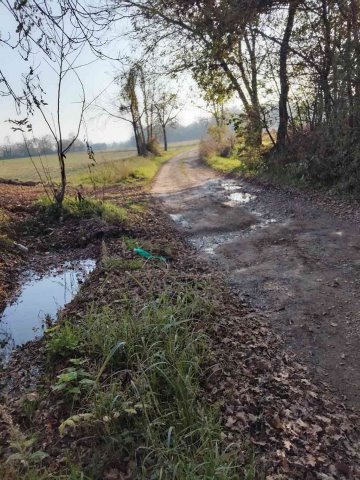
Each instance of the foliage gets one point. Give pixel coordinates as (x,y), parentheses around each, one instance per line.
(153,146)
(220,141)
(147,390)
(62,342)
(24,453)
(73,381)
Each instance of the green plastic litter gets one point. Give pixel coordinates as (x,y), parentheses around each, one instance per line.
(148,255)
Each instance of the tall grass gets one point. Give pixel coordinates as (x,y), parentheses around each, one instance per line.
(147,402)
(137,170)
(86,208)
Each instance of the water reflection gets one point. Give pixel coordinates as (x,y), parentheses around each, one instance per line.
(39,300)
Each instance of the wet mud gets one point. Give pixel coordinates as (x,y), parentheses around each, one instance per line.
(286,256)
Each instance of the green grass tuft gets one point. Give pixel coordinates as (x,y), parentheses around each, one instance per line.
(148,402)
(117,263)
(224,165)
(87,208)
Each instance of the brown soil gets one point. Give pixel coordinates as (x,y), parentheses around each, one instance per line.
(297,429)
(292,258)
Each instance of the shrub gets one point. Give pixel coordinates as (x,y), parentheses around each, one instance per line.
(153,146)
(220,141)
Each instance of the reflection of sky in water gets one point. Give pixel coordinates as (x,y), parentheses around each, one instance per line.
(23,320)
(241,197)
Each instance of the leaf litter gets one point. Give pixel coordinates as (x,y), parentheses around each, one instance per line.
(269,406)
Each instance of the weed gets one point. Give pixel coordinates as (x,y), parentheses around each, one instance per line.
(148,387)
(73,381)
(62,341)
(130,243)
(24,453)
(29,406)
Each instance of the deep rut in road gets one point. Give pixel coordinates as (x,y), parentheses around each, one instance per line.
(285,255)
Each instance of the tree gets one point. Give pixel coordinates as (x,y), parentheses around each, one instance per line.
(167,109)
(65,53)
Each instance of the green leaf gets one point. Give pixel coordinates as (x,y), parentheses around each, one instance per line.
(87,381)
(14,457)
(68,377)
(38,456)
(75,390)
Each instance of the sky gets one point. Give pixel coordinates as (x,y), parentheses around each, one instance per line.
(96,77)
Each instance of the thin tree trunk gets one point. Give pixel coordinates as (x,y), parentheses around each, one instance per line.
(284,80)
(165,138)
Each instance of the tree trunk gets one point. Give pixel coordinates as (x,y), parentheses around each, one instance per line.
(284,80)
(136,138)
(165,138)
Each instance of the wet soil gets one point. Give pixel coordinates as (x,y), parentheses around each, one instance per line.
(291,257)
(269,407)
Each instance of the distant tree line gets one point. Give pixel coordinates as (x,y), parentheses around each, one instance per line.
(178,133)
(46,146)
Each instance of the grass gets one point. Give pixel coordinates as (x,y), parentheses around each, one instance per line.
(223,165)
(130,378)
(158,416)
(111,167)
(138,170)
(23,169)
(87,208)
(244,160)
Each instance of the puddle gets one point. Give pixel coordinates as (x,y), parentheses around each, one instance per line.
(230,186)
(241,197)
(178,218)
(263,223)
(39,299)
(209,243)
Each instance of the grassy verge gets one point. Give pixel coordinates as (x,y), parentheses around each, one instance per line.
(223,165)
(137,170)
(86,208)
(125,383)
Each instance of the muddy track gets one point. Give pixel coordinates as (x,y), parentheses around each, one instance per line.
(284,254)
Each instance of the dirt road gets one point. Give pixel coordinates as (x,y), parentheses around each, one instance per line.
(291,259)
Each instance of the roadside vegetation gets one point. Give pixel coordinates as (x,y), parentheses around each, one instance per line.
(227,152)
(137,170)
(123,372)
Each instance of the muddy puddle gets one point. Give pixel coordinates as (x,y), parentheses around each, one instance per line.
(38,302)
(237,195)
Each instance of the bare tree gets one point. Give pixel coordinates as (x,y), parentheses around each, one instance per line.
(65,56)
(167,109)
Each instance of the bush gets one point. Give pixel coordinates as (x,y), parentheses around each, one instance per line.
(328,155)
(153,146)
(63,341)
(220,141)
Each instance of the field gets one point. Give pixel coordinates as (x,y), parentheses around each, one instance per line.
(77,164)
(111,166)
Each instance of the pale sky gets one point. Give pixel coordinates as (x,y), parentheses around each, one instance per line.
(95,77)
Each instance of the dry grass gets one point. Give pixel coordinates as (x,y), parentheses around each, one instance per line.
(77,163)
